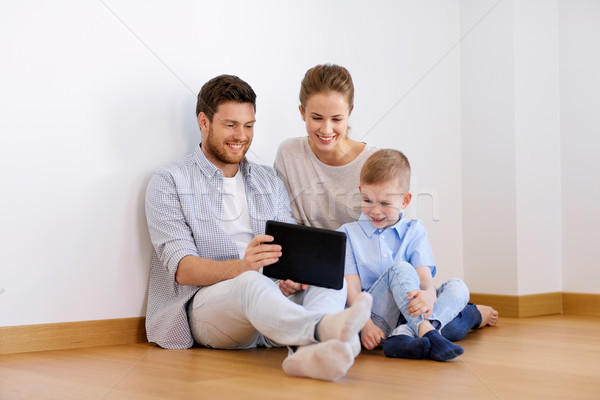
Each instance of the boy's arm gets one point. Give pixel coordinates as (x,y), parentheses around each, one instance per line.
(423,299)
(354,287)
(420,256)
(370,334)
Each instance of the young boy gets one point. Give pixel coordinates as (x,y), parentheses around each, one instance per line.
(391,258)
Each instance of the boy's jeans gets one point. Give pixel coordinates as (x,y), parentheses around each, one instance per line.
(390,294)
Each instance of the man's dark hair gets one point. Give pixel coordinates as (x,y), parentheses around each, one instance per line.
(221,89)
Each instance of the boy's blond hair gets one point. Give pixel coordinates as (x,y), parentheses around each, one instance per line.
(386,165)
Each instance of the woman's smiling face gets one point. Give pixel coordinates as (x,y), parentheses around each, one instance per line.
(326,116)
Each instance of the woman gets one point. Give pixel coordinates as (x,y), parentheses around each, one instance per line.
(321,171)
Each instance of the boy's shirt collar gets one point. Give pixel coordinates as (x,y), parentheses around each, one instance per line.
(370,230)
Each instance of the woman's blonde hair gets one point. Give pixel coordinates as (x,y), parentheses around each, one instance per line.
(327,78)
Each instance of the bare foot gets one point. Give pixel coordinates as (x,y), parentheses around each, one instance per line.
(489,316)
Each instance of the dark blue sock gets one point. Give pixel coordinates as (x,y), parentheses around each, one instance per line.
(404,346)
(469,318)
(441,348)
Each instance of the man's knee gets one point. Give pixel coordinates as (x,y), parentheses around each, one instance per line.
(251,280)
(249,276)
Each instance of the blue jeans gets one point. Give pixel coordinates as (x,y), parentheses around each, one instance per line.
(390,293)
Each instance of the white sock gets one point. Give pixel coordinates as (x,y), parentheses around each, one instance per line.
(346,324)
(327,361)
(355,345)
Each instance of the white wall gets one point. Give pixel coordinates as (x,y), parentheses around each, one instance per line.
(537,145)
(97,95)
(580,144)
(488,147)
(495,103)
(529,80)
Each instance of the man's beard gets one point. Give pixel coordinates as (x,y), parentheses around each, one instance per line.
(219,150)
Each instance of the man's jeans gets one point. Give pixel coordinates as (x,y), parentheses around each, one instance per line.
(250,310)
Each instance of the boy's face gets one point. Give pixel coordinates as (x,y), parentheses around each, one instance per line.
(382,203)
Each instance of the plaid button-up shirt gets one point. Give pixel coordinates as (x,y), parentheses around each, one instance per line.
(183,209)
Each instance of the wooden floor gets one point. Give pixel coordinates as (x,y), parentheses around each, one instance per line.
(554,357)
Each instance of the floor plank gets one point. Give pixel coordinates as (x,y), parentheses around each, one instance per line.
(553,357)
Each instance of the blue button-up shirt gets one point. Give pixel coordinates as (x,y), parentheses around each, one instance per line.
(183,208)
(371,251)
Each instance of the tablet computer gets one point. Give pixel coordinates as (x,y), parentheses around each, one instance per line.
(308,255)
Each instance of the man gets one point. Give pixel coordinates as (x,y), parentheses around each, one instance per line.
(206,216)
